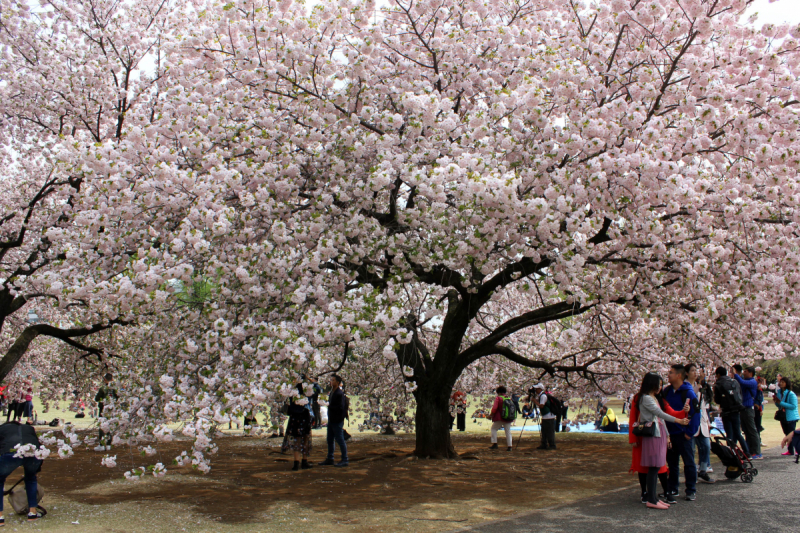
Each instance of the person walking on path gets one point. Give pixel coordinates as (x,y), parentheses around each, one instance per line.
(105,392)
(748,417)
(702,439)
(636,441)
(337,412)
(654,449)
(11,435)
(787,415)
(298,431)
(728,395)
(496,416)
(548,425)
(680,435)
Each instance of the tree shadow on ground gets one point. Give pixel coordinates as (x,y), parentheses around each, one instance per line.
(249,475)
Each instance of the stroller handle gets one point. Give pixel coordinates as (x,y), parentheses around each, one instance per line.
(715,428)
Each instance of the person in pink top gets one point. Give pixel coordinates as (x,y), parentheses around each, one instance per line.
(496,416)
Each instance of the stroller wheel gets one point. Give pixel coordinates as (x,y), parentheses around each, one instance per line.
(747,478)
(754,471)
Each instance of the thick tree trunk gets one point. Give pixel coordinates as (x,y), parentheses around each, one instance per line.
(433,424)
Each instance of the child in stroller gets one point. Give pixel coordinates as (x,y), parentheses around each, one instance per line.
(736,463)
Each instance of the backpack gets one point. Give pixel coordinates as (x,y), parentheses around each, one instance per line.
(556,405)
(730,395)
(508,411)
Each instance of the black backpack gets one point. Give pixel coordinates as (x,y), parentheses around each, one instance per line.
(508,410)
(556,405)
(730,395)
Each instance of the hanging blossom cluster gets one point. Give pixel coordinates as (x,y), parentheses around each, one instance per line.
(462,192)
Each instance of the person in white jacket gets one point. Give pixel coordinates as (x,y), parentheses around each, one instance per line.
(701,439)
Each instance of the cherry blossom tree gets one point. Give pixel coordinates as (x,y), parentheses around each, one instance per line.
(448,157)
(444,185)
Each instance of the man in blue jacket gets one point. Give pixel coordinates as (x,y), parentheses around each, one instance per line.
(676,394)
(747,381)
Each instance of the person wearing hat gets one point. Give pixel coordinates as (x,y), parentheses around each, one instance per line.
(749,385)
(548,428)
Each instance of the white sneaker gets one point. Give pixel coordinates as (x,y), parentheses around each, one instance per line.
(108,448)
(99,448)
(709,470)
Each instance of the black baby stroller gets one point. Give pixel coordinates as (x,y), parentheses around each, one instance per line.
(733,458)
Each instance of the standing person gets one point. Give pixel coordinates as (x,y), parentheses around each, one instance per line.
(786,402)
(298,432)
(277,416)
(548,426)
(561,414)
(337,412)
(458,410)
(759,404)
(728,395)
(496,416)
(12,434)
(676,393)
(20,409)
(27,409)
(105,392)
(315,408)
(636,441)
(654,449)
(702,439)
(748,416)
(12,407)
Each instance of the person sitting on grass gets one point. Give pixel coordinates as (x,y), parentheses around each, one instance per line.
(608,422)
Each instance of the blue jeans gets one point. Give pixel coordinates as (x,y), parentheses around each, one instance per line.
(681,449)
(703,452)
(31,465)
(733,431)
(336,433)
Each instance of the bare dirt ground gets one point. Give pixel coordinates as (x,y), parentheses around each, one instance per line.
(251,488)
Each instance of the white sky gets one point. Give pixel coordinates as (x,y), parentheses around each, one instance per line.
(778,12)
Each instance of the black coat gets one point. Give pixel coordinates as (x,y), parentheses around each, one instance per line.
(13,433)
(336,408)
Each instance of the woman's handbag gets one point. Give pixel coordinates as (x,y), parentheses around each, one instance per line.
(646,429)
(780,414)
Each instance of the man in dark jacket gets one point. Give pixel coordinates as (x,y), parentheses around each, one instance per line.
(728,395)
(337,412)
(676,394)
(11,435)
(749,386)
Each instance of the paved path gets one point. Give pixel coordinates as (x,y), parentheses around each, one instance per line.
(768,504)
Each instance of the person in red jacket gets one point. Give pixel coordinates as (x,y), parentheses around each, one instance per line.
(496,416)
(636,466)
